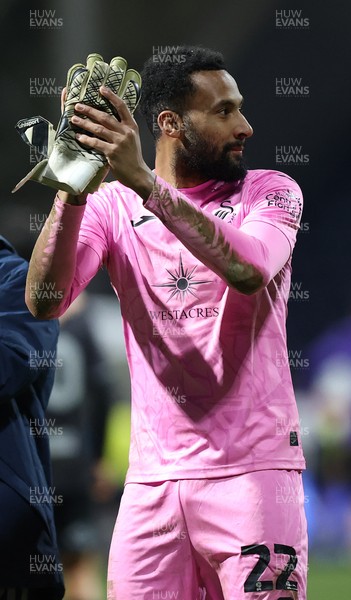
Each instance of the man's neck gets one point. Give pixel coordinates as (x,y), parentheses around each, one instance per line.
(165,169)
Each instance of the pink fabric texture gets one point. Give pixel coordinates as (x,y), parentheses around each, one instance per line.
(212,394)
(202,539)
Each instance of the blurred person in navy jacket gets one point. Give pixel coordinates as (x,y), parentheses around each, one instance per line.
(29,565)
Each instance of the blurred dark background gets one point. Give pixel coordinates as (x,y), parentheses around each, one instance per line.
(305,130)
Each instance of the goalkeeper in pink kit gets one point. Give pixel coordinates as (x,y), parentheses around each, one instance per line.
(199,254)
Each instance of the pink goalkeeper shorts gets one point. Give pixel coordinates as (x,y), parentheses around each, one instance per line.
(234,538)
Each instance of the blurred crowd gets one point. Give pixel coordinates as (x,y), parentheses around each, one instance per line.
(324,400)
(89,422)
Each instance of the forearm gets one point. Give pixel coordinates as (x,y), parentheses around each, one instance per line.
(240,259)
(53,262)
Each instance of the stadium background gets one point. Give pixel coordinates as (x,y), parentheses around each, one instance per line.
(268,44)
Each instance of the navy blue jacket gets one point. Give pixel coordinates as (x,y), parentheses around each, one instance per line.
(27,369)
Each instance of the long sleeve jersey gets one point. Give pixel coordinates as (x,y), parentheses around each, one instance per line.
(211,387)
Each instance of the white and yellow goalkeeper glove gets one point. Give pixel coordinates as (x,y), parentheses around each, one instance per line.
(68,165)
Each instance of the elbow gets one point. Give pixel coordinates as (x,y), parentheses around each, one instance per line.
(42,310)
(249,287)
(249,280)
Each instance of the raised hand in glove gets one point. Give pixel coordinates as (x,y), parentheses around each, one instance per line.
(69,166)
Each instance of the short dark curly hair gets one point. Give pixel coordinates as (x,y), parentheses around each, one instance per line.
(167,83)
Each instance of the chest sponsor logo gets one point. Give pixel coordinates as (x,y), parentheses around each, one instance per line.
(182,281)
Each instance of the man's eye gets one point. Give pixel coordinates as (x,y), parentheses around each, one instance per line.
(224,111)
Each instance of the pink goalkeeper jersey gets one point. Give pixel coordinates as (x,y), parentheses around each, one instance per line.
(211,387)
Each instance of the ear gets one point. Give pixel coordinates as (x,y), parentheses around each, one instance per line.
(170,123)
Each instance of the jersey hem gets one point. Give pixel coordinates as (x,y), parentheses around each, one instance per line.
(211,472)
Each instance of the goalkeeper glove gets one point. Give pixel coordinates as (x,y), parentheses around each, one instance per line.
(68,165)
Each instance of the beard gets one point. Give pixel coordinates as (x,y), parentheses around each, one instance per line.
(201,158)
